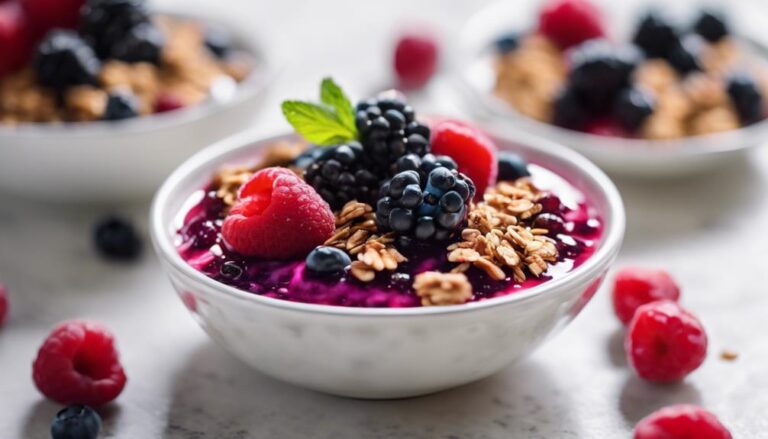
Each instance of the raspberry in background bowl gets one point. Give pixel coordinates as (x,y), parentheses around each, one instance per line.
(322,347)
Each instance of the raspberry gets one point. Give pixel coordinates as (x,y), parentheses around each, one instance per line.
(168,102)
(415,59)
(3,304)
(45,15)
(473,151)
(636,286)
(570,22)
(277,216)
(15,38)
(681,421)
(78,364)
(665,342)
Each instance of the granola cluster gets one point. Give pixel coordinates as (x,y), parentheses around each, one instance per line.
(187,72)
(529,78)
(436,288)
(499,234)
(357,234)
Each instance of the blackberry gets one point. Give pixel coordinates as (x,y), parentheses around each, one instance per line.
(684,56)
(116,239)
(424,165)
(142,43)
(633,106)
(76,422)
(105,23)
(599,70)
(64,59)
(340,174)
(428,208)
(711,25)
(389,130)
(655,35)
(121,105)
(569,110)
(746,97)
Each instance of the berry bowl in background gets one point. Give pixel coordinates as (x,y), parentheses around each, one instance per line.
(104,160)
(473,71)
(382,352)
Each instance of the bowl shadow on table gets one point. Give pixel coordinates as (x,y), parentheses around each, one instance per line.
(41,414)
(669,211)
(215,395)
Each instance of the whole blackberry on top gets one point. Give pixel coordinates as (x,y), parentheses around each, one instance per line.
(338,173)
(428,201)
(121,29)
(356,149)
(388,130)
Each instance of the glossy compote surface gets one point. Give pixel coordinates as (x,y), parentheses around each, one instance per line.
(200,243)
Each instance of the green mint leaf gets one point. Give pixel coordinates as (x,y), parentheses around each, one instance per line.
(316,123)
(333,96)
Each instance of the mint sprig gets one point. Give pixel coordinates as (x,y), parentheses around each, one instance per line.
(329,123)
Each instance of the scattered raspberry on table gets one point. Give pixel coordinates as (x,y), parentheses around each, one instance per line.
(636,286)
(415,61)
(679,422)
(665,342)
(78,364)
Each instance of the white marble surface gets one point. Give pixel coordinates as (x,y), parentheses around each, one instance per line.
(709,231)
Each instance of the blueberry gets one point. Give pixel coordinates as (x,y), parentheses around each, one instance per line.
(507,43)
(63,59)
(412,196)
(116,239)
(425,228)
(121,105)
(711,25)
(442,179)
(655,35)
(401,220)
(746,97)
(327,260)
(231,270)
(142,43)
(633,106)
(451,202)
(76,422)
(218,41)
(512,166)
(569,110)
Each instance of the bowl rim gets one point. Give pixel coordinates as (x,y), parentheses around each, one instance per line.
(201,162)
(498,111)
(263,74)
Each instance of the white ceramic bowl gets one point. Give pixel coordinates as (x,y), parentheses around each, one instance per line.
(471,67)
(382,353)
(104,161)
